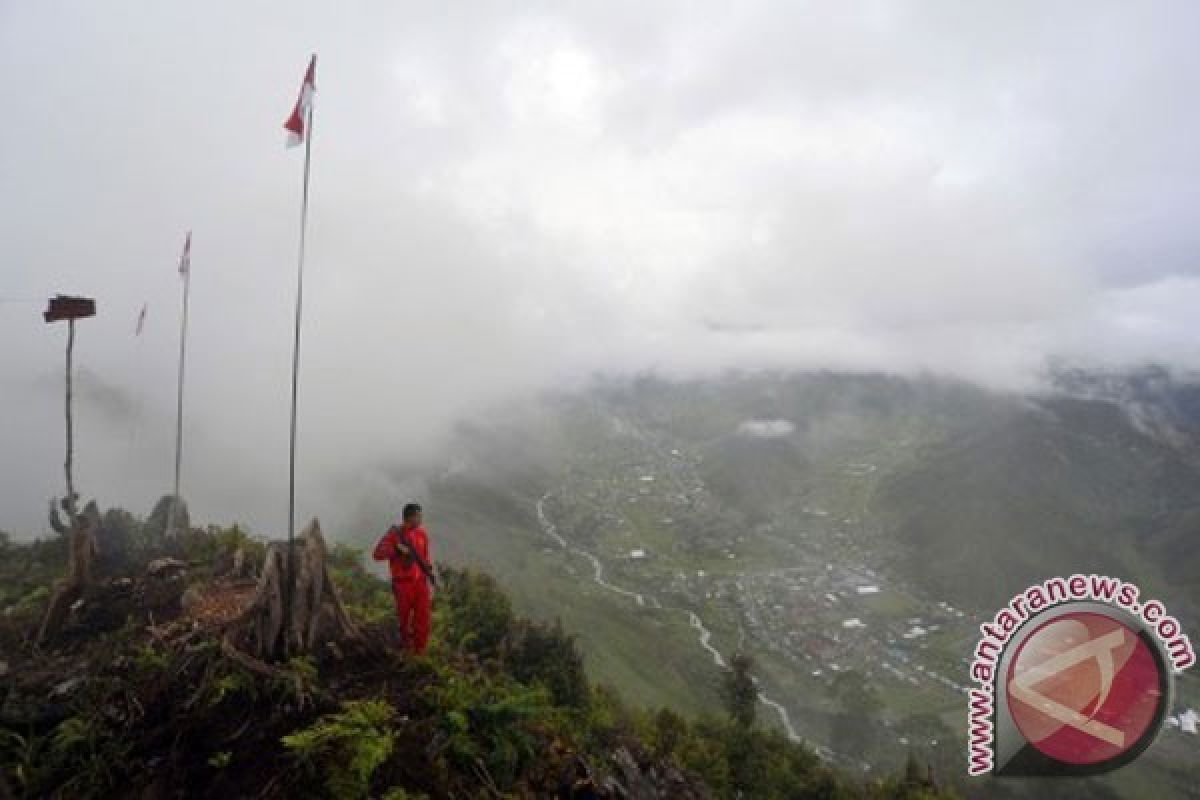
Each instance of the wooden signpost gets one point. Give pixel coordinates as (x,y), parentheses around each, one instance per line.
(65,307)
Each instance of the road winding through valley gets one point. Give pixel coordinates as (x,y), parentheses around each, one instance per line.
(704,635)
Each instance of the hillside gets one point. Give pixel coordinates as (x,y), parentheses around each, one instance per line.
(137,696)
(1058,486)
(829,524)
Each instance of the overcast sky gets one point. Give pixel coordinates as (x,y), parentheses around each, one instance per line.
(512,196)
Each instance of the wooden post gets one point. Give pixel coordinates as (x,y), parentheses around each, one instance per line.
(70,500)
(69,308)
(82,528)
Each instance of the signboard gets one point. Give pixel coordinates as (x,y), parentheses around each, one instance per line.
(67,307)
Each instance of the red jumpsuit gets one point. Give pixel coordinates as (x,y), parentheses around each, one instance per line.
(409,585)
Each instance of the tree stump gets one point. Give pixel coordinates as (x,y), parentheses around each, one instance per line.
(317,611)
(156,530)
(81,552)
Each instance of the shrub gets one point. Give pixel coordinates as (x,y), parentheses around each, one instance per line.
(544,654)
(347,746)
(494,721)
(475,616)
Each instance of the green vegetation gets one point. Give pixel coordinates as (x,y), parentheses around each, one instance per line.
(500,705)
(741,695)
(346,747)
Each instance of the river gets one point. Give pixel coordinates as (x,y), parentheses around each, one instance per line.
(704,635)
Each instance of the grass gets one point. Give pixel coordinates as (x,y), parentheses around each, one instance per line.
(651,656)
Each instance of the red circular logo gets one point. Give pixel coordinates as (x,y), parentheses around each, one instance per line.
(1084,688)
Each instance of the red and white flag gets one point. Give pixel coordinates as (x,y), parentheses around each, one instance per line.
(185,260)
(297,123)
(141,320)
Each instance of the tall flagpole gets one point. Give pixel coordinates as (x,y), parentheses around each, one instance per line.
(186,270)
(141,399)
(291,558)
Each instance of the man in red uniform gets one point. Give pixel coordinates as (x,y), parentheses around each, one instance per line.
(410,584)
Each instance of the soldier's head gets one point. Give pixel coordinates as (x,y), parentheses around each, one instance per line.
(411,516)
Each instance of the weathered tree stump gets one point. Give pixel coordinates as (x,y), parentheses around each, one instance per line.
(81,552)
(317,612)
(160,531)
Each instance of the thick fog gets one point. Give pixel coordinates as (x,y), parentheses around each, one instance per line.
(509,197)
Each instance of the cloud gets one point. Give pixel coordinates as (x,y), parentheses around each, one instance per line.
(506,200)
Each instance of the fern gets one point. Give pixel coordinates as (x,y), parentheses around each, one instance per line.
(23,757)
(397,793)
(236,682)
(148,660)
(73,733)
(349,745)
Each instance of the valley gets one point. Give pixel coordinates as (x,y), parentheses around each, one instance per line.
(850,533)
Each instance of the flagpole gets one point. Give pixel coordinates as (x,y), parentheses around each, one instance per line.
(187,283)
(141,397)
(291,559)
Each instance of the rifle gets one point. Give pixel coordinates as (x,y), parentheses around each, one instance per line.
(421,562)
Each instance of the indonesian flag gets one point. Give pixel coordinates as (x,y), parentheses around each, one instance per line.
(141,320)
(297,123)
(185,260)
